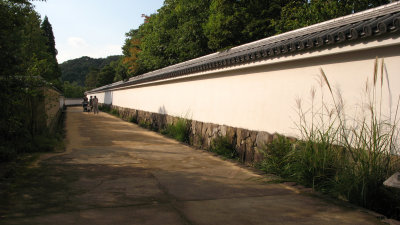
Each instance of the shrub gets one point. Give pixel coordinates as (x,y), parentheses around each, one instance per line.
(105,108)
(277,157)
(145,124)
(222,146)
(115,112)
(179,130)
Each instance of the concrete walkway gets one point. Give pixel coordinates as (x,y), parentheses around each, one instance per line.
(114,172)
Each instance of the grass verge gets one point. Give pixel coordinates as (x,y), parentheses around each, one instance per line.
(223,147)
(180,130)
(348,159)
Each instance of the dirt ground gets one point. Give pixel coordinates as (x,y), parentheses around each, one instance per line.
(114,172)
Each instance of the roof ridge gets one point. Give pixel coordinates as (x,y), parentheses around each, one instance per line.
(340,21)
(371,22)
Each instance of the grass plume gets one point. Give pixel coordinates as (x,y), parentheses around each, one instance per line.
(345,158)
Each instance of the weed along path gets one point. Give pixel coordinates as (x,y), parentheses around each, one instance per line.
(114,172)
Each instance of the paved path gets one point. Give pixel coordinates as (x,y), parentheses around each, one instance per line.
(114,172)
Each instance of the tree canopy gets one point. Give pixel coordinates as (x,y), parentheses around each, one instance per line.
(48,33)
(25,60)
(303,13)
(76,70)
(185,29)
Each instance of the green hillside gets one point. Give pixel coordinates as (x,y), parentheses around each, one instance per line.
(75,70)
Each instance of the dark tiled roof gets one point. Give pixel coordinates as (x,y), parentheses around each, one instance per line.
(383,20)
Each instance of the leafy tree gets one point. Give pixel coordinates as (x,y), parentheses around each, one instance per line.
(187,39)
(23,57)
(232,22)
(21,39)
(73,90)
(173,35)
(55,72)
(360,5)
(91,78)
(105,76)
(131,51)
(121,71)
(48,33)
(299,14)
(186,29)
(11,38)
(23,45)
(259,16)
(75,70)
(224,24)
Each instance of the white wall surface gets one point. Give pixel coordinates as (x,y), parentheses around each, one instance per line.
(262,96)
(61,100)
(73,101)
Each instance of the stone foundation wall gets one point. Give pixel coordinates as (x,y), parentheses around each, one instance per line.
(247,143)
(52,108)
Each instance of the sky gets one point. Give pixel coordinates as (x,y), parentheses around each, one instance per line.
(94,28)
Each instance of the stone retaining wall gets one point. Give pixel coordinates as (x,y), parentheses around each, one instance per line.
(247,143)
(52,108)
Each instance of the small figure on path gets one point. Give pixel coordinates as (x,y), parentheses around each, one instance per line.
(95,105)
(91,104)
(85,103)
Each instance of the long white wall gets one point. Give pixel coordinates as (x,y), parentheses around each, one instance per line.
(262,96)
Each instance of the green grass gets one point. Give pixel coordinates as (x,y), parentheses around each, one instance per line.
(278,157)
(133,119)
(145,124)
(223,147)
(180,130)
(345,158)
(109,109)
(105,108)
(115,112)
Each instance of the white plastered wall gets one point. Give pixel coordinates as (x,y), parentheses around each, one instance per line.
(262,96)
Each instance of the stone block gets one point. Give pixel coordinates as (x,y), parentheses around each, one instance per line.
(241,135)
(203,130)
(199,126)
(249,155)
(258,155)
(223,130)
(241,150)
(231,135)
(169,119)
(253,136)
(206,130)
(193,127)
(209,130)
(197,141)
(205,142)
(215,131)
(275,136)
(208,142)
(175,120)
(263,138)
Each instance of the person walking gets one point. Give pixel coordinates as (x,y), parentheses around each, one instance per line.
(85,103)
(95,105)
(90,104)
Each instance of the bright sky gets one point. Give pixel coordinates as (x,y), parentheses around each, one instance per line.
(94,28)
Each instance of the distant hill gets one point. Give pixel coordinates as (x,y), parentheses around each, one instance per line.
(77,69)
